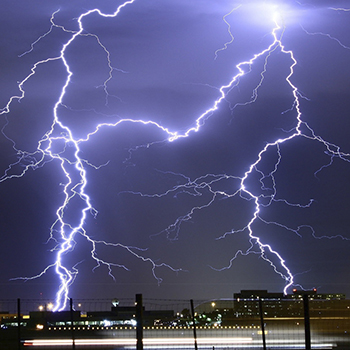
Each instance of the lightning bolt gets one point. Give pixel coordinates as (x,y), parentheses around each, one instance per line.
(229,32)
(59,144)
(207,182)
(339,9)
(327,36)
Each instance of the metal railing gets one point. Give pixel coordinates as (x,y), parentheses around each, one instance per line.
(176,324)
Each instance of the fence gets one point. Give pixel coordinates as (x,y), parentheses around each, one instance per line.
(300,323)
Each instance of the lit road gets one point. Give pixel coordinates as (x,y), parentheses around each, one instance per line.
(221,338)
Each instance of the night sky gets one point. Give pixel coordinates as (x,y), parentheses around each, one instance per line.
(174,210)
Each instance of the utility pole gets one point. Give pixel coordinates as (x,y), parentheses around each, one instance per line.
(194,326)
(139,322)
(307,321)
(71,320)
(262,323)
(19,323)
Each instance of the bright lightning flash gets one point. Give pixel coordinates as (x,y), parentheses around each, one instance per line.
(59,144)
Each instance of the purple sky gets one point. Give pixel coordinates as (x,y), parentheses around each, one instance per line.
(168,65)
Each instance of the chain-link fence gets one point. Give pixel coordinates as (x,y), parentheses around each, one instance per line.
(299,323)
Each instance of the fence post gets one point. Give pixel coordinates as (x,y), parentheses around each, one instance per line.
(19,323)
(307,321)
(194,325)
(262,323)
(71,320)
(139,322)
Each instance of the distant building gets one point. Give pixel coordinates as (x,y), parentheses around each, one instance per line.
(117,316)
(49,318)
(298,294)
(125,315)
(245,304)
(218,305)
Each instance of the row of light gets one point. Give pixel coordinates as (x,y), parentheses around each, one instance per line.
(151,328)
(132,341)
(48,306)
(166,342)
